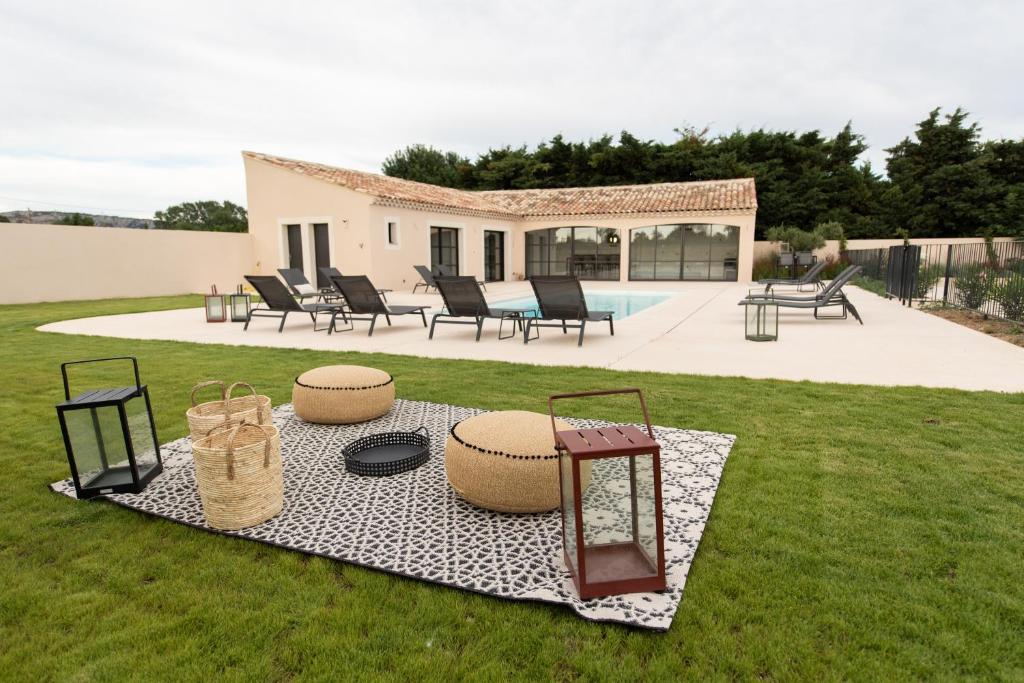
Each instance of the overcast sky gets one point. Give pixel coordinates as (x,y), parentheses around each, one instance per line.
(128,107)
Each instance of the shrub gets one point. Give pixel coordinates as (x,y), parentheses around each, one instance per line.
(972,287)
(764,268)
(832,230)
(927,276)
(797,239)
(1010,296)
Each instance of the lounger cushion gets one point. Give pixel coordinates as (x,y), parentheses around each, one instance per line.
(342,394)
(305,289)
(505,461)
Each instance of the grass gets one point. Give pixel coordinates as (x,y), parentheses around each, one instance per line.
(858,533)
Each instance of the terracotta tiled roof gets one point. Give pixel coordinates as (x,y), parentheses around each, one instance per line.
(710,195)
(705,196)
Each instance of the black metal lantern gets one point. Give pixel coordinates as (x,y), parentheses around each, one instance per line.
(216,310)
(241,302)
(110,436)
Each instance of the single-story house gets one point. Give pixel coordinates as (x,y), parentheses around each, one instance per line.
(307,215)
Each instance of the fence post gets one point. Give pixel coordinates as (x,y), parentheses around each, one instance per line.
(949,271)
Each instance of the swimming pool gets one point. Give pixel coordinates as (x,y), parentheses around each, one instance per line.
(622,304)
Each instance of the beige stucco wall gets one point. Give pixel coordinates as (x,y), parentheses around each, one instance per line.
(392,267)
(764,249)
(71,262)
(277,197)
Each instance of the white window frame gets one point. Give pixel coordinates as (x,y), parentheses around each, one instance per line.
(388,220)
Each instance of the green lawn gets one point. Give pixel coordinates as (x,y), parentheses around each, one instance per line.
(858,533)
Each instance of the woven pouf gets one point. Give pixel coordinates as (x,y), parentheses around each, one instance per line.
(506,461)
(342,394)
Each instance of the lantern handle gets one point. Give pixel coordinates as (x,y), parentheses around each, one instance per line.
(203,385)
(603,392)
(64,371)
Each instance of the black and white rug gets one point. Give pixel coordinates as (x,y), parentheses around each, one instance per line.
(414,525)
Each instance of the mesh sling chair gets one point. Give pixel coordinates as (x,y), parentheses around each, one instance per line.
(811,277)
(331,271)
(447,271)
(426,279)
(464,299)
(363,299)
(302,288)
(831,295)
(279,303)
(560,299)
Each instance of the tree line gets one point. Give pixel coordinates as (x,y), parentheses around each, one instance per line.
(943,181)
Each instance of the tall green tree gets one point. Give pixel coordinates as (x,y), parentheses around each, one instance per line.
(941,182)
(209,215)
(429,165)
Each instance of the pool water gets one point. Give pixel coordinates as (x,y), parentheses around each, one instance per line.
(622,304)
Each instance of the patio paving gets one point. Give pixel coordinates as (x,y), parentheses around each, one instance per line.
(698,331)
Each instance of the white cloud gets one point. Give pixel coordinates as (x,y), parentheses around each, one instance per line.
(124,105)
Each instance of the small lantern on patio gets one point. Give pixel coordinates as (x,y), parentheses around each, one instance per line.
(610,480)
(762,321)
(240,304)
(110,436)
(216,311)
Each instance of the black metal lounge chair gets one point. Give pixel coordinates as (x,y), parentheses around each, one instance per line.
(279,303)
(363,299)
(464,299)
(302,288)
(831,295)
(560,298)
(331,271)
(426,279)
(446,271)
(811,277)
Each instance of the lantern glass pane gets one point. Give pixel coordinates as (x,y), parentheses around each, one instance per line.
(646,509)
(568,509)
(141,434)
(619,518)
(762,322)
(98,446)
(239,308)
(214,307)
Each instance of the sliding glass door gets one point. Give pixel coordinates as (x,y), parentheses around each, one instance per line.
(695,251)
(589,253)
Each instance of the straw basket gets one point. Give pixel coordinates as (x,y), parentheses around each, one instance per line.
(203,417)
(238,471)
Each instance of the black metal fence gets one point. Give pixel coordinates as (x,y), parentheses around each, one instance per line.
(985,277)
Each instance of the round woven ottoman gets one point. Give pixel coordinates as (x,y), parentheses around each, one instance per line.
(342,394)
(505,461)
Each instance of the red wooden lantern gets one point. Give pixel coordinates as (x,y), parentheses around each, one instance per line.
(612,527)
(216,310)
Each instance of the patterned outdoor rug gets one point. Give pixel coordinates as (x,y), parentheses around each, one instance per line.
(414,525)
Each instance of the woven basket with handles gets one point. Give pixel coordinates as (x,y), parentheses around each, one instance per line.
(239,475)
(202,417)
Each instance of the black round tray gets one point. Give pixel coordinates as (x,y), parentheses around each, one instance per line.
(381,455)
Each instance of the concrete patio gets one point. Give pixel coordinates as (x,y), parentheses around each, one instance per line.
(698,331)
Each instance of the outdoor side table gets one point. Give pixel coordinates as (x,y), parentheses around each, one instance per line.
(762,320)
(516,317)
